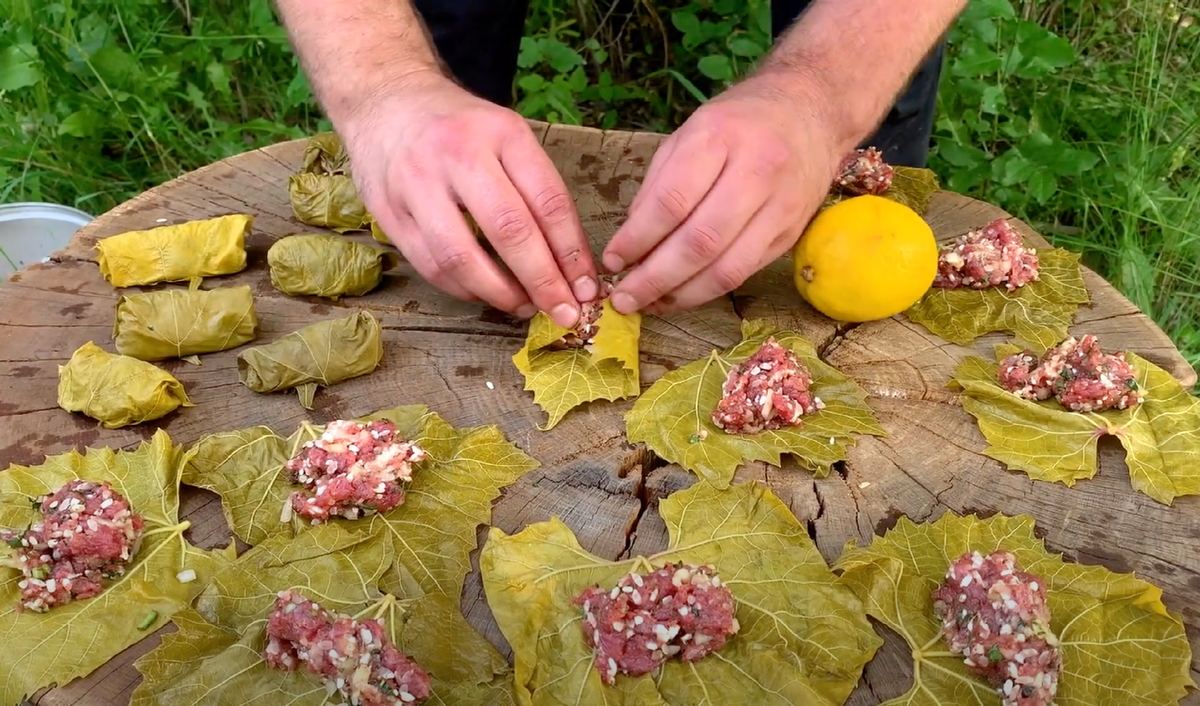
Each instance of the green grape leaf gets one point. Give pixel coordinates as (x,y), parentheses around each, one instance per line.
(1161,435)
(434,530)
(912,186)
(803,638)
(674,418)
(117,390)
(1038,313)
(1120,646)
(74,639)
(216,656)
(176,253)
(176,323)
(327,265)
(322,192)
(561,380)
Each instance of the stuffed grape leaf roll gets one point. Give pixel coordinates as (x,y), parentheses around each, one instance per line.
(176,253)
(324,353)
(117,390)
(322,193)
(176,323)
(327,265)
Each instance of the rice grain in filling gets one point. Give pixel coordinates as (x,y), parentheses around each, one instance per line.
(987,257)
(584,332)
(1078,373)
(864,172)
(996,617)
(88,533)
(769,390)
(353,469)
(679,610)
(353,657)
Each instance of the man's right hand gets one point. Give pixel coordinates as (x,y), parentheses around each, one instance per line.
(423,151)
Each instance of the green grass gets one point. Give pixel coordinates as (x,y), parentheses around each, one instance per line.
(1079,116)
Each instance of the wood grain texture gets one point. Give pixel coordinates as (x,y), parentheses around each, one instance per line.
(443,353)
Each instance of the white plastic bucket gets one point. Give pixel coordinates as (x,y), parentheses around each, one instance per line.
(30,232)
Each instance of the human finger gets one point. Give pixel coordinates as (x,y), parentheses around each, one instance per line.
(505,219)
(719,221)
(687,175)
(456,254)
(542,189)
(400,228)
(764,242)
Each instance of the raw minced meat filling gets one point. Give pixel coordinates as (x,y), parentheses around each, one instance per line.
(988,257)
(864,172)
(646,619)
(353,469)
(354,657)
(769,390)
(1078,373)
(584,332)
(88,533)
(996,617)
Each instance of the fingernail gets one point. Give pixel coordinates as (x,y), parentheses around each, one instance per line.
(527,312)
(565,315)
(585,289)
(613,263)
(623,303)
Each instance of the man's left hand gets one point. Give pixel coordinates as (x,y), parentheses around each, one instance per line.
(729,192)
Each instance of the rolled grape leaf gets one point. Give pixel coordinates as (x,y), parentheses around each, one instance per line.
(1038,313)
(433,531)
(674,418)
(327,266)
(803,638)
(1119,644)
(216,656)
(117,390)
(176,253)
(175,323)
(324,353)
(561,380)
(914,187)
(322,193)
(1161,435)
(74,639)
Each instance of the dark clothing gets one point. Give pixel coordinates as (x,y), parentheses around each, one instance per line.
(479,40)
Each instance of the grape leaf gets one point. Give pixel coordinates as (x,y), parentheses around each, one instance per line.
(914,187)
(803,639)
(176,323)
(1038,313)
(433,531)
(674,418)
(322,192)
(175,253)
(215,657)
(117,390)
(74,639)
(1120,646)
(324,353)
(327,265)
(1161,435)
(562,380)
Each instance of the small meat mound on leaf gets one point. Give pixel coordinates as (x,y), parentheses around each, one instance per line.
(987,257)
(584,332)
(352,657)
(1078,373)
(88,533)
(996,617)
(769,390)
(352,470)
(646,619)
(864,172)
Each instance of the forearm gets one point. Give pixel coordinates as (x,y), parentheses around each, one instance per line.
(353,49)
(857,56)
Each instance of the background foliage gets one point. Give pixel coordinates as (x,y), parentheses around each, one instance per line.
(1079,116)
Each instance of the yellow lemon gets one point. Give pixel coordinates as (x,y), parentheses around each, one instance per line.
(865,258)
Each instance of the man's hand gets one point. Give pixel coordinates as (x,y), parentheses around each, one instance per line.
(726,194)
(423,150)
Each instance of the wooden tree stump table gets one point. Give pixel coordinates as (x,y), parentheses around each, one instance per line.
(444,354)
